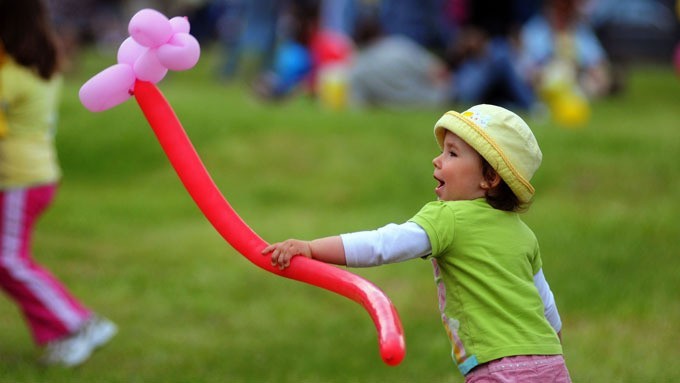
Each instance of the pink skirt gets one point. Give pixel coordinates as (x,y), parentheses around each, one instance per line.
(522,368)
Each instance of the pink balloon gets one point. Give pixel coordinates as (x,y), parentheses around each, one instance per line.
(108,88)
(150,28)
(148,68)
(180,24)
(180,53)
(130,51)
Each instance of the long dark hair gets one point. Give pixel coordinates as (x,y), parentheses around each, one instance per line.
(27,35)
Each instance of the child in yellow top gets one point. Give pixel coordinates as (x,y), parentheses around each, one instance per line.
(29,174)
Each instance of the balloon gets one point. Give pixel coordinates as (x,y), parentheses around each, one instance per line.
(330,47)
(180,53)
(130,51)
(149,68)
(150,28)
(155,45)
(571,110)
(180,24)
(158,44)
(235,231)
(108,88)
(291,64)
(332,85)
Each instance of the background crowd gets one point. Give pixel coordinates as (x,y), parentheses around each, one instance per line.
(522,54)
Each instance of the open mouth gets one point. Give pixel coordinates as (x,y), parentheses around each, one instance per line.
(440,183)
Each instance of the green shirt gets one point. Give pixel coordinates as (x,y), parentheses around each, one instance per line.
(484,261)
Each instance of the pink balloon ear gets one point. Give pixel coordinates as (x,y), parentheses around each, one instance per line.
(108,88)
(130,51)
(150,28)
(148,68)
(180,53)
(180,24)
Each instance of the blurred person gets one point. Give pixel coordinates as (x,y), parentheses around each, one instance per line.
(70,19)
(423,21)
(30,82)
(340,15)
(559,48)
(495,303)
(676,52)
(229,28)
(483,57)
(306,47)
(393,70)
(81,22)
(248,31)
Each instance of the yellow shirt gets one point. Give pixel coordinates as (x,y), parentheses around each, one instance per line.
(29,104)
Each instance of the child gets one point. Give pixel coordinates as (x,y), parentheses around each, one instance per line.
(496,305)
(29,174)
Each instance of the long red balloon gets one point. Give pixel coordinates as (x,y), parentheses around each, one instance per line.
(222,216)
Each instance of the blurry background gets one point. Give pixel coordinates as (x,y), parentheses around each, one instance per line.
(449,51)
(314,118)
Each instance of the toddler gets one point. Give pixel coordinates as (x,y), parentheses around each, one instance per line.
(495,303)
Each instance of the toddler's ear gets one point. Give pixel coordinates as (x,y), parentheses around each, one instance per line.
(491,179)
(495,180)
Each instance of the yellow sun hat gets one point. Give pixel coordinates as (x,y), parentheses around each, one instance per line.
(502,138)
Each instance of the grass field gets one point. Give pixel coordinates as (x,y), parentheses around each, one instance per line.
(125,236)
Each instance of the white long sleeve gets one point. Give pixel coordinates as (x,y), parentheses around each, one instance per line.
(397,243)
(549,306)
(389,244)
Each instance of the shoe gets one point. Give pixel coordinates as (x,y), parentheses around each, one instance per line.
(77,347)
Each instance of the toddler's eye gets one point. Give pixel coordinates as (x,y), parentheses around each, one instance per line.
(453,154)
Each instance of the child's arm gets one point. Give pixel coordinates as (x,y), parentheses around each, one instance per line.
(388,244)
(328,250)
(549,306)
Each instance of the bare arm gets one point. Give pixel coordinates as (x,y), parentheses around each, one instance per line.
(328,250)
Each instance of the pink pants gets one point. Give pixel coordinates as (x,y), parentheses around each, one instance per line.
(50,310)
(521,369)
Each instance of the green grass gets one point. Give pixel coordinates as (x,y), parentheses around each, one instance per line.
(125,237)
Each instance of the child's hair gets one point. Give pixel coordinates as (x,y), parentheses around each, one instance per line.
(27,36)
(501,196)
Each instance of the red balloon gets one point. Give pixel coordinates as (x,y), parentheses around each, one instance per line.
(235,231)
(330,47)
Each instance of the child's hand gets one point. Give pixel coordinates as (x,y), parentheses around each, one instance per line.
(282,252)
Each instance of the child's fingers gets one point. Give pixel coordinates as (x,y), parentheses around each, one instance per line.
(282,252)
(275,254)
(282,258)
(269,248)
(285,262)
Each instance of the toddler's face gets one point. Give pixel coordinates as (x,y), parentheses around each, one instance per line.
(458,171)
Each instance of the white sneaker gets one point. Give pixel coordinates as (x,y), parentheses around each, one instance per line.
(77,347)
